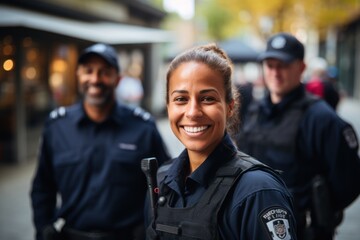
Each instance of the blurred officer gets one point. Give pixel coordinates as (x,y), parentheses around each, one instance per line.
(212,191)
(89,180)
(294,132)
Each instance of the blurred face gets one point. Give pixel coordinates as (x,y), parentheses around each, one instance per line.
(281,77)
(97,81)
(197,109)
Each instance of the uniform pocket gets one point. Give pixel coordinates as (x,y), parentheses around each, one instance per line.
(126,167)
(67,169)
(64,159)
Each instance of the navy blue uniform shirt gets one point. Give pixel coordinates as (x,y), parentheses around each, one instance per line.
(94,169)
(255,199)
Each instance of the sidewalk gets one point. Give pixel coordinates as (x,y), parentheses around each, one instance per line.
(349,229)
(15,211)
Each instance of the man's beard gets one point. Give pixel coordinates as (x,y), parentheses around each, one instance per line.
(98,101)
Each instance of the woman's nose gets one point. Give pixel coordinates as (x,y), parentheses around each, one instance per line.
(194,110)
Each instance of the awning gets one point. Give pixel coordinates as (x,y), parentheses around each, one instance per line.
(106,32)
(238,51)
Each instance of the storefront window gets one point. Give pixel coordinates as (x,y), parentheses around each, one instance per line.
(62,75)
(35,87)
(130,90)
(7,96)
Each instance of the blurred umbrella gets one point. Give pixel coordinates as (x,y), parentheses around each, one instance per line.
(238,51)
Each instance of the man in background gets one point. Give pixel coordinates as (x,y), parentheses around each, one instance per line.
(88,183)
(303,137)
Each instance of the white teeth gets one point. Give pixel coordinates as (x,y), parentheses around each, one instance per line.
(195,129)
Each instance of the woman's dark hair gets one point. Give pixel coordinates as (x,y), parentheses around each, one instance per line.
(216,59)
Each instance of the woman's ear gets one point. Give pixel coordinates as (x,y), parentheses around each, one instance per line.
(230,110)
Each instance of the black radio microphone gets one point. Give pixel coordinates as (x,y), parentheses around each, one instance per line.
(150,166)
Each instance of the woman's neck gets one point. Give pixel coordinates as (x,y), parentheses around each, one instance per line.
(196,159)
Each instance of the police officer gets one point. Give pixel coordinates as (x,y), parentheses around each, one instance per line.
(89,182)
(212,191)
(303,137)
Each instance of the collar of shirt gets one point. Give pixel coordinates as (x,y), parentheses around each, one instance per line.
(81,117)
(200,179)
(270,109)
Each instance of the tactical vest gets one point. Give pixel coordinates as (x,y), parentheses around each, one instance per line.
(274,141)
(200,221)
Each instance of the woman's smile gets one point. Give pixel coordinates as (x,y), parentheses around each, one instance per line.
(195,129)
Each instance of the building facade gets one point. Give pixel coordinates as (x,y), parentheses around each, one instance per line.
(348,57)
(40,41)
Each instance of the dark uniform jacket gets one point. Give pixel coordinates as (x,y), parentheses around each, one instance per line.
(90,173)
(212,203)
(304,137)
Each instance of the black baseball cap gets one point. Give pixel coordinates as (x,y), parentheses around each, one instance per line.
(104,51)
(284,47)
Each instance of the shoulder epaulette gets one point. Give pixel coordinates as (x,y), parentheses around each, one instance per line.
(138,111)
(58,113)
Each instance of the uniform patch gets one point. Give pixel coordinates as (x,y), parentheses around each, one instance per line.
(350,137)
(276,223)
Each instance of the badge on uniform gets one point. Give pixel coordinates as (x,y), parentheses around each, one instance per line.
(276,222)
(350,137)
(127,146)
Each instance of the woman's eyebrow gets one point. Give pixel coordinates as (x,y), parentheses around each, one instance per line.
(208,90)
(201,92)
(178,91)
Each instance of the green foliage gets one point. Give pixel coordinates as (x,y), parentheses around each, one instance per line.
(157,3)
(218,18)
(282,15)
(221,19)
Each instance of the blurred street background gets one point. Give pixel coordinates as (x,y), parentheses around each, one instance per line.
(40,41)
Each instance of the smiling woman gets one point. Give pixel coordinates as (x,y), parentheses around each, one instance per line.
(211,179)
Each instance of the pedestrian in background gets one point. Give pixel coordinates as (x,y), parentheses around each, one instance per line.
(88,181)
(320,83)
(302,136)
(130,91)
(212,191)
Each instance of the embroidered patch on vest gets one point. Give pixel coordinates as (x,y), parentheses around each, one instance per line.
(350,137)
(276,223)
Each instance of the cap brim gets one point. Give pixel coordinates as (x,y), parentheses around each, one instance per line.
(86,55)
(277,55)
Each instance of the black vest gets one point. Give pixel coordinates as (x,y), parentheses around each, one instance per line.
(274,141)
(200,220)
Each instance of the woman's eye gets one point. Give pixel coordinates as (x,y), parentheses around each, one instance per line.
(179,99)
(208,99)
